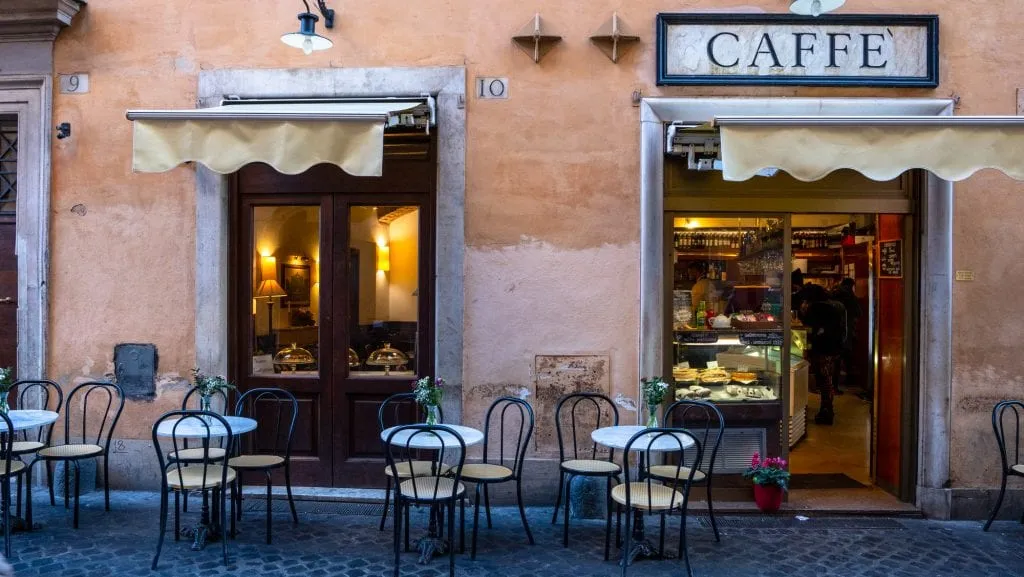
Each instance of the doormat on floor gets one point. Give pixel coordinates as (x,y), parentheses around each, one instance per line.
(824,481)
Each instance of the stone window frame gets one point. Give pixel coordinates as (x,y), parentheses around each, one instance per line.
(213,197)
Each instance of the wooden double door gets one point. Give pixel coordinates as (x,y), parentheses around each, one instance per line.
(333,301)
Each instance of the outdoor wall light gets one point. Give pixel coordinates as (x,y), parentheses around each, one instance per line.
(306,38)
(814,7)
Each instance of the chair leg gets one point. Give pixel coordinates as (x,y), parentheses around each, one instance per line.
(451,540)
(67,484)
(268,506)
(387,503)
(462,524)
(234,497)
(711,513)
(288,489)
(398,531)
(558,499)
(565,513)
(106,482)
(163,525)
(683,553)
(184,505)
(627,544)
(476,523)
(661,535)
(49,481)
(406,527)
(241,488)
(177,516)
(608,522)
(522,510)
(78,490)
(222,521)
(487,503)
(618,526)
(6,505)
(28,499)
(999,503)
(18,498)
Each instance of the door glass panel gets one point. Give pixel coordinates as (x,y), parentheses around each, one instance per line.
(383,291)
(286,291)
(8,163)
(727,313)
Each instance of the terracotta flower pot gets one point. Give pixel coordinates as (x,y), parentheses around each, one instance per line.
(768,497)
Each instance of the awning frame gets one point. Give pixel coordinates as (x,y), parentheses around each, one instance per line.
(882,121)
(198,114)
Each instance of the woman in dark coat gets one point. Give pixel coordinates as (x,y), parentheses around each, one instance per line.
(826,323)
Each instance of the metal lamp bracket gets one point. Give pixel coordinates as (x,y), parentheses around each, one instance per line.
(534,40)
(327,12)
(614,38)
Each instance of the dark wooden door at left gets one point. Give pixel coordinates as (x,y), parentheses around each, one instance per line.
(8,259)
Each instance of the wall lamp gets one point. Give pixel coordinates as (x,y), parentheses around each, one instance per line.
(814,7)
(383,258)
(306,38)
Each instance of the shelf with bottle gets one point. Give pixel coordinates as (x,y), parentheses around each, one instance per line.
(702,242)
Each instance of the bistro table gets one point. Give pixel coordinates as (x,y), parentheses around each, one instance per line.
(616,438)
(433,543)
(23,419)
(192,428)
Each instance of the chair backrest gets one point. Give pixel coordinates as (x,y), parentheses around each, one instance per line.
(402,409)
(510,407)
(207,424)
(658,441)
(276,411)
(406,442)
(6,443)
(195,399)
(705,421)
(1003,414)
(93,397)
(39,394)
(576,407)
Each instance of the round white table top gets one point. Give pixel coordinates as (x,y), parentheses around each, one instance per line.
(193,429)
(470,437)
(617,437)
(28,419)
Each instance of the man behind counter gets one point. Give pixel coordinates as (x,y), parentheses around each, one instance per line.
(703,290)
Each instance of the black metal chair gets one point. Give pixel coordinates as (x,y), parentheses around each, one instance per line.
(71,453)
(586,462)
(1011,461)
(194,398)
(649,495)
(11,467)
(438,486)
(211,475)
(276,410)
(45,395)
(706,422)
(395,411)
(507,467)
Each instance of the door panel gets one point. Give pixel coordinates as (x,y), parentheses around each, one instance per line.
(8,260)
(891,349)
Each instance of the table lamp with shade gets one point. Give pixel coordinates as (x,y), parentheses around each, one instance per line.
(270,289)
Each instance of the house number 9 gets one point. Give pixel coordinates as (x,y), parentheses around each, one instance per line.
(74,83)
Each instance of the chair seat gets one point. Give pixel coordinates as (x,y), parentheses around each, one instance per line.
(670,472)
(485,472)
(192,477)
(1019,469)
(26,447)
(196,455)
(661,497)
(256,461)
(70,451)
(423,488)
(16,467)
(590,466)
(419,467)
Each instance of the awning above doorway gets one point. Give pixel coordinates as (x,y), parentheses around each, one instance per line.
(880,147)
(291,137)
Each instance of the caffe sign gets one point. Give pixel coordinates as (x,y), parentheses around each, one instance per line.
(781,49)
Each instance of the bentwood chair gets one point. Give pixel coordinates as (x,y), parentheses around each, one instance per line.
(508,466)
(211,475)
(582,409)
(192,401)
(400,409)
(107,403)
(438,486)
(705,421)
(276,410)
(44,395)
(1007,414)
(11,467)
(649,495)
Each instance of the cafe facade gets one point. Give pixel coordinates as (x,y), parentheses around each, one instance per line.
(512,201)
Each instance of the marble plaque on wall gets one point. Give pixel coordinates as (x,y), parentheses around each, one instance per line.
(775,49)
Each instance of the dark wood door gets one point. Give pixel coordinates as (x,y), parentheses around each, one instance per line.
(8,260)
(891,353)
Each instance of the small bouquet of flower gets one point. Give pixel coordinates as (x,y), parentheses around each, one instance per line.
(428,394)
(653,391)
(770,472)
(6,384)
(207,386)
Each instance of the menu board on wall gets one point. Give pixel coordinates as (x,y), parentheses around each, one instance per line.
(890,259)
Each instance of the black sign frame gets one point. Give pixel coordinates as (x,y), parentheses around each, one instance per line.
(883,248)
(930,22)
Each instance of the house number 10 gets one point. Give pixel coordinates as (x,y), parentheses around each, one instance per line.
(492,88)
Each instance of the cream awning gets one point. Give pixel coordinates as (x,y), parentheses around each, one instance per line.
(291,137)
(879,147)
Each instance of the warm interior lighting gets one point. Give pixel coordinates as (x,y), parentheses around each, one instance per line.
(270,289)
(268,268)
(383,258)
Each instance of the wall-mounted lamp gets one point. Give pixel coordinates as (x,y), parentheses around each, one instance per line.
(306,38)
(383,258)
(814,7)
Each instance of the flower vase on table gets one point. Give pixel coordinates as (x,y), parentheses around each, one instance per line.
(653,391)
(429,393)
(6,384)
(208,386)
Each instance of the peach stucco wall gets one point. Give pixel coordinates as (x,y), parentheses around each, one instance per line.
(552,201)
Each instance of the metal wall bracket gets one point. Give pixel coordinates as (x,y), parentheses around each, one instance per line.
(534,40)
(614,38)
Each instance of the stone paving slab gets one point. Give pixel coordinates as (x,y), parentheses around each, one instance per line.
(344,541)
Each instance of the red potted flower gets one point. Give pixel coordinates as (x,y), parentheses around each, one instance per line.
(771,480)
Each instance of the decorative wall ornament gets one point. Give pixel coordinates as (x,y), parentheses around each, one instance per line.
(534,40)
(614,38)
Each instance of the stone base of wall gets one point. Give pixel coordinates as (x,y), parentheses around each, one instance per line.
(978,503)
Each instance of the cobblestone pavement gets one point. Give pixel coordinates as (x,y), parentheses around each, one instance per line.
(342,539)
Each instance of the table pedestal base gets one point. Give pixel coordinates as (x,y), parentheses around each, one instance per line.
(639,546)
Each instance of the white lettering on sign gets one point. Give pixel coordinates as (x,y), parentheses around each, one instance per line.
(704,49)
(74,83)
(965,275)
(491,88)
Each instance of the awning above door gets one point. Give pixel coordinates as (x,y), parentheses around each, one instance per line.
(290,137)
(880,147)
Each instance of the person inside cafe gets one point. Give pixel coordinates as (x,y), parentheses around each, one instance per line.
(825,320)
